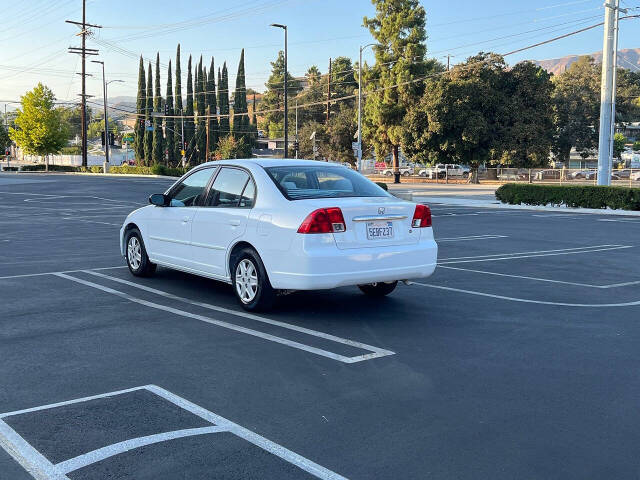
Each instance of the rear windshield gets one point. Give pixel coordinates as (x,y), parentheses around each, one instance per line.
(302,182)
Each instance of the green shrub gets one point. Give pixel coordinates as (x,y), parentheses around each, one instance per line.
(41,167)
(585,196)
(383,186)
(10,169)
(73,150)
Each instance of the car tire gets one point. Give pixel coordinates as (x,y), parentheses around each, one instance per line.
(465,175)
(250,281)
(406,174)
(379,289)
(136,255)
(387,174)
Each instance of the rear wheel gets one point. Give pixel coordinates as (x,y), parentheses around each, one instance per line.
(250,281)
(379,289)
(137,259)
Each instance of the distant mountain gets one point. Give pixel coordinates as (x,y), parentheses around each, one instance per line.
(628,58)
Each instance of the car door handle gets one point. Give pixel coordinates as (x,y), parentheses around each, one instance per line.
(235,223)
(185,219)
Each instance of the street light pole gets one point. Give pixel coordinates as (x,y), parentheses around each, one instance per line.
(106,116)
(360,107)
(286,99)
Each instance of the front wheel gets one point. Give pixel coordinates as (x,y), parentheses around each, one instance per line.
(379,289)
(137,259)
(250,281)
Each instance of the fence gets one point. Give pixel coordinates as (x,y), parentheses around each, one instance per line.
(561,176)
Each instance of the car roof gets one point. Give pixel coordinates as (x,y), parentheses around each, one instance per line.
(272,162)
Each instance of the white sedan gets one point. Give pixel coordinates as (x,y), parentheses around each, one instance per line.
(272,225)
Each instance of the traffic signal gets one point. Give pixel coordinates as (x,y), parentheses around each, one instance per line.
(112,139)
(142,123)
(166,109)
(102,138)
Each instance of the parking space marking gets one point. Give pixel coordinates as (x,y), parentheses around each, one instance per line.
(470,237)
(526,300)
(27,275)
(613,285)
(375,351)
(539,253)
(91,221)
(42,469)
(103,453)
(623,220)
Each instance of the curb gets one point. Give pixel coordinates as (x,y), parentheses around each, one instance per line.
(118,175)
(499,205)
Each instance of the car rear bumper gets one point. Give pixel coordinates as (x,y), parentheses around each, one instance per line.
(323,268)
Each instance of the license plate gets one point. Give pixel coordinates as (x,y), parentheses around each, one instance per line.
(379,230)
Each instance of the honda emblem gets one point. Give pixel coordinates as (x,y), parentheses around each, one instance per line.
(381,211)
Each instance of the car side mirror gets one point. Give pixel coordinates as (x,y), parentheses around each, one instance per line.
(159,200)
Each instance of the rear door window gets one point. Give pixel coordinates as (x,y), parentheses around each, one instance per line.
(227,188)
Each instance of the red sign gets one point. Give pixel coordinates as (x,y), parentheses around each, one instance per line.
(381,165)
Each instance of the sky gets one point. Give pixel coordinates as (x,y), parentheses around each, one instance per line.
(35,41)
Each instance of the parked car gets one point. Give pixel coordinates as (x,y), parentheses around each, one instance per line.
(441,170)
(586,174)
(404,171)
(635,176)
(547,175)
(271,225)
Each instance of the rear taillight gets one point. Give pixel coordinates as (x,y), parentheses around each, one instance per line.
(421,217)
(324,220)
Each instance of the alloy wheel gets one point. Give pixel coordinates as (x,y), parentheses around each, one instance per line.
(246,280)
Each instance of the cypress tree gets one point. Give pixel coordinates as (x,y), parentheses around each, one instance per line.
(169,121)
(148,136)
(158,140)
(138,143)
(188,120)
(240,109)
(213,107)
(223,101)
(201,139)
(254,122)
(178,108)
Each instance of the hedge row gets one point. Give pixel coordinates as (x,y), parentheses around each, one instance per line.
(122,169)
(585,196)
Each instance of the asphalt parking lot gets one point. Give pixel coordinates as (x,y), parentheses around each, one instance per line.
(519,358)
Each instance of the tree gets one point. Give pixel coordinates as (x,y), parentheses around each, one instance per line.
(272,104)
(169,123)
(241,127)
(95,128)
(463,115)
(340,132)
(177,136)
(72,117)
(399,30)
(189,127)
(343,80)
(229,147)
(314,96)
(5,141)
(39,127)
(530,126)
(201,135)
(576,108)
(223,101)
(148,135)
(158,135)
(619,142)
(213,108)
(138,141)
(636,147)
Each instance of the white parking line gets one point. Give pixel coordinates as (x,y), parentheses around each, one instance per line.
(526,300)
(103,453)
(539,253)
(91,221)
(42,469)
(471,237)
(613,285)
(27,275)
(376,352)
(624,220)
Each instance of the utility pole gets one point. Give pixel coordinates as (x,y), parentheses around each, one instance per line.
(360,106)
(182,146)
(329,92)
(208,122)
(286,92)
(84,51)
(607,89)
(297,144)
(448,61)
(615,86)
